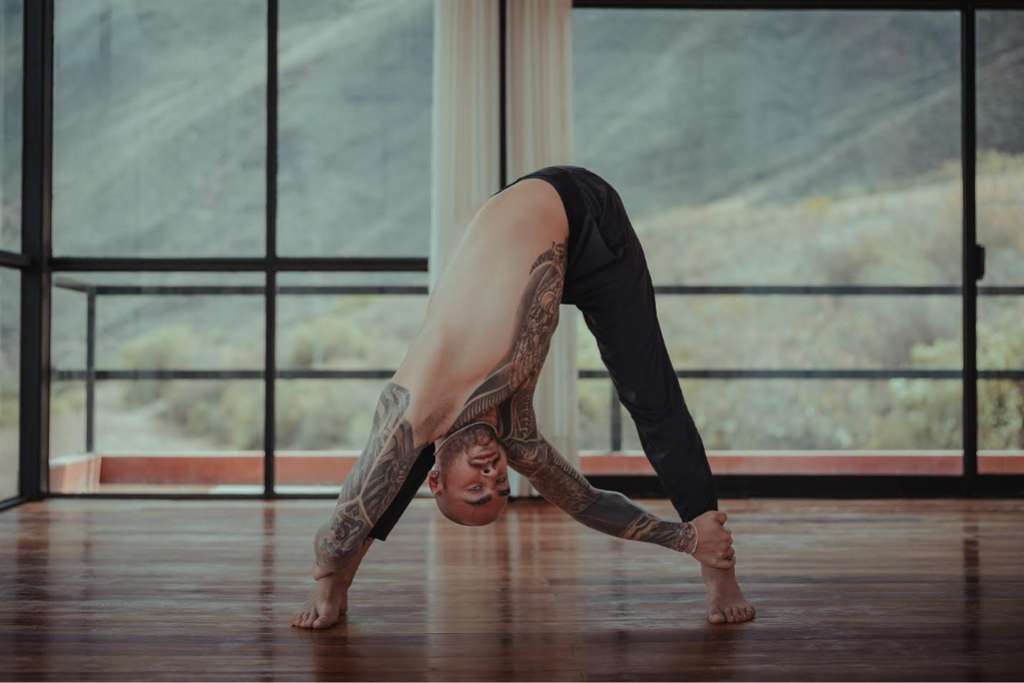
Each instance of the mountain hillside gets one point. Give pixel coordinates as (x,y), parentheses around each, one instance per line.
(160,115)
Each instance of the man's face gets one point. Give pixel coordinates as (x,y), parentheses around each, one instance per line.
(470,479)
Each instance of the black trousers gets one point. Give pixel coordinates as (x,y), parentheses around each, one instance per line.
(607,279)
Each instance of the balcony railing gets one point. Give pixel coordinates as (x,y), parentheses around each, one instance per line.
(91,374)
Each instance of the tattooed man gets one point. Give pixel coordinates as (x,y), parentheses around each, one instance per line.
(459,409)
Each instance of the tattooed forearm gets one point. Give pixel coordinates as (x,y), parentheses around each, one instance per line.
(558,481)
(390,452)
(374,481)
(615,514)
(610,512)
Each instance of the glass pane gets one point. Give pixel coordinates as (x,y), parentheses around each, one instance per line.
(323,421)
(10,120)
(200,433)
(356,83)
(10,379)
(781,147)
(159,128)
(1000,139)
(1001,422)
(852,332)
(788,426)
(1000,190)
(1001,401)
(1000,332)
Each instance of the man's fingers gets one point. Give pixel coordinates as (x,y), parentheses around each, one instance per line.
(721,517)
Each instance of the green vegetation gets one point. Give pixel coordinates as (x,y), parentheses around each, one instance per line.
(913,332)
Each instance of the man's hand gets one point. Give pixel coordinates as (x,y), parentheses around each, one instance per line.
(714,541)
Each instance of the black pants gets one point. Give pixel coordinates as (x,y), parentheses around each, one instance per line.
(608,280)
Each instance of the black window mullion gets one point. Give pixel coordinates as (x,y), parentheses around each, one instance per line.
(270,294)
(36,164)
(971,270)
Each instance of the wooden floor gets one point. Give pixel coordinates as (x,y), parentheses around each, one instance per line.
(180,590)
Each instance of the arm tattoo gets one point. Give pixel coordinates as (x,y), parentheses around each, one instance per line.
(558,481)
(607,511)
(389,454)
(537,317)
(374,481)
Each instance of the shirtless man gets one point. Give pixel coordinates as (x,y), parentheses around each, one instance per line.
(464,391)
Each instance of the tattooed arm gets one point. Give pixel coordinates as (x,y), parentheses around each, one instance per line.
(390,452)
(559,482)
(374,481)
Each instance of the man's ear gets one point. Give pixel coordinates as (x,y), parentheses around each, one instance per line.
(434,480)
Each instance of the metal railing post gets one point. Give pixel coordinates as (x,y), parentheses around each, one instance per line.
(90,370)
(615,420)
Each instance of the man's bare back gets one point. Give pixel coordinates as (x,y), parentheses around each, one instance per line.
(486,315)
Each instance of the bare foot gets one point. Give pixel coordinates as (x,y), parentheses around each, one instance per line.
(326,603)
(724,598)
(329,597)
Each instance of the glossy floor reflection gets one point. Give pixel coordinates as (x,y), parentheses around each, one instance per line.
(179,590)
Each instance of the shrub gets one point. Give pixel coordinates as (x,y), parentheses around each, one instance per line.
(162,349)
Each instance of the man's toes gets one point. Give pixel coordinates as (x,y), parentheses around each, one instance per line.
(716,616)
(321,622)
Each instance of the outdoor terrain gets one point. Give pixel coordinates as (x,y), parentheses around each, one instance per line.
(748,147)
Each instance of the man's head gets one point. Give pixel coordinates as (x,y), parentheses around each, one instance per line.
(470,477)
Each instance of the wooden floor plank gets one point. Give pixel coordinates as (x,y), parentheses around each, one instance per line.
(180,590)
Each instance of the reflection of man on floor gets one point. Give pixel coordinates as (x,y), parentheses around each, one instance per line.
(464,391)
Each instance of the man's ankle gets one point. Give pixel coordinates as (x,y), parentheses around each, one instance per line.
(716,573)
(342,568)
(321,572)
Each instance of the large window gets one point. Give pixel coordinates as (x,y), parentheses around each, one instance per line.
(789,148)
(354,122)
(159,128)
(10,122)
(10,339)
(794,176)
(1000,190)
(10,240)
(157,382)
(340,337)
(161,123)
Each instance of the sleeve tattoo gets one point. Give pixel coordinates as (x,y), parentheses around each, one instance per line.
(536,319)
(559,482)
(374,480)
(389,454)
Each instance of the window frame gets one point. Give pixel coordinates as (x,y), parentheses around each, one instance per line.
(37,266)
